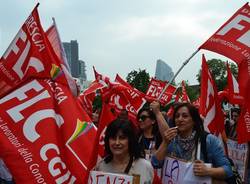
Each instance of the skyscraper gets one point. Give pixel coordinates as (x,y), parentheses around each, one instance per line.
(163,71)
(71,50)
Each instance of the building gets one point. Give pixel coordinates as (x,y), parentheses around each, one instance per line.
(72,55)
(163,71)
(82,71)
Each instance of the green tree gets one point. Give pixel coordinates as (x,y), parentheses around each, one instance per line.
(218,70)
(139,79)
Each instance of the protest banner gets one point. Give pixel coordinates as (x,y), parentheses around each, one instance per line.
(239,154)
(180,172)
(99,177)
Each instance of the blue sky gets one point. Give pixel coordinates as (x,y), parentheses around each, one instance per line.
(120,36)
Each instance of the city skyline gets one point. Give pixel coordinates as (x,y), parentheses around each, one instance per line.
(118,37)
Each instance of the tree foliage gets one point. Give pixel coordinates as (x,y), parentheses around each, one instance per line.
(139,79)
(218,70)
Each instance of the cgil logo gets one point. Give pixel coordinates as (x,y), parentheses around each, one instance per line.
(31,123)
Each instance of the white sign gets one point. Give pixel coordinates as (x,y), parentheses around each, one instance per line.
(179,172)
(238,153)
(99,177)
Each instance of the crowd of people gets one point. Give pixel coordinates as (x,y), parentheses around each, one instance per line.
(140,151)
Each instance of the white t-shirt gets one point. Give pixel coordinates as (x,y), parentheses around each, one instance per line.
(140,167)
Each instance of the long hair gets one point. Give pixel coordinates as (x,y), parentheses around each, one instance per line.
(125,126)
(194,113)
(155,130)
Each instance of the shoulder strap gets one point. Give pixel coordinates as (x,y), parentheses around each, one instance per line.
(129,165)
(204,146)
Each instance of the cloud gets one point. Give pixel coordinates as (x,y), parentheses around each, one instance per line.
(178,25)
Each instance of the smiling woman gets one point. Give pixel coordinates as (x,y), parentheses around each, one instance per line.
(123,153)
(182,143)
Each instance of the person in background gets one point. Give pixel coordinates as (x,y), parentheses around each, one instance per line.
(95,116)
(181,142)
(123,154)
(149,136)
(231,124)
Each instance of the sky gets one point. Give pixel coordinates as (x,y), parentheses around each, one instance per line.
(120,36)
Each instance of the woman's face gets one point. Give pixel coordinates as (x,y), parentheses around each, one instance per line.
(144,121)
(119,144)
(184,120)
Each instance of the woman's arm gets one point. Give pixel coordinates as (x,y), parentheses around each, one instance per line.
(162,124)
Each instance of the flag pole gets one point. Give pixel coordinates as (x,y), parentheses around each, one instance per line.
(172,79)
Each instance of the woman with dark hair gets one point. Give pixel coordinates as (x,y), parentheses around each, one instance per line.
(123,154)
(149,137)
(181,142)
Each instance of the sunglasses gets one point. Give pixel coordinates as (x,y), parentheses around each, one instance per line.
(143,117)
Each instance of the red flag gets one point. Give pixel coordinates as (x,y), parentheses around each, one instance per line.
(243,127)
(232,38)
(54,38)
(209,106)
(155,88)
(106,116)
(41,141)
(185,97)
(234,96)
(29,55)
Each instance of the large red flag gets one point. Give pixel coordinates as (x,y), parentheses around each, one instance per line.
(232,38)
(209,106)
(29,55)
(41,141)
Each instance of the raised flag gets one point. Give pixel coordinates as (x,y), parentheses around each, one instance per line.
(155,88)
(54,38)
(29,55)
(232,38)
(209,106)
(234,96)
(185,97)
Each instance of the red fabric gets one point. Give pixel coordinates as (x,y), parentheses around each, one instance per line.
(29,55)
(38,130)
(185,97)
(230,39)
(155,88)
(157,179)
(56,44)
(234,96)
(209,105)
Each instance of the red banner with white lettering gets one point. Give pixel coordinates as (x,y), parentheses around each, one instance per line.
(232,38)
(29,55)
(155,88)
(41,141)
(55,41)
(209,104)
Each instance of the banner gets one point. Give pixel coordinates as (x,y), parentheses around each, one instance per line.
(99,177)
(232,38)
(155,88)
(42,141)
(239,154)
(179,172)
(29,55)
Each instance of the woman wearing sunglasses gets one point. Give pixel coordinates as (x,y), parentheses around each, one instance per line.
(150,119)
